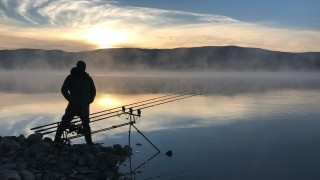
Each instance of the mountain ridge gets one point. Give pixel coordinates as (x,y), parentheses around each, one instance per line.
(194,58)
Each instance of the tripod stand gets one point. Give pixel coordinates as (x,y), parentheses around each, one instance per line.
(132,120)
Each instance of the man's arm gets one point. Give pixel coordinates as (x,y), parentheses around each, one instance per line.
(92,90)
(65,88)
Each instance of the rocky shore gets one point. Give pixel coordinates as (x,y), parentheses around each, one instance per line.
(38,158)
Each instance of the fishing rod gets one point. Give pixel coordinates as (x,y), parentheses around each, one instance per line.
(163,99)
(107,110)
(174,98)
(130,113)
(76,127)
(114,112)
(171,94)
(197,94)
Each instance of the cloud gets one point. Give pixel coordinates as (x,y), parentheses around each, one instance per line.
(12,42)
(53,22)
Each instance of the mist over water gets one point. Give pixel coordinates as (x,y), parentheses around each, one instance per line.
(161,82)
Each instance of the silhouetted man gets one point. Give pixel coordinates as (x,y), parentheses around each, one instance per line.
(78,88)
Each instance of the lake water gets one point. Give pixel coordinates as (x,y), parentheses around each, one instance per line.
(248,125)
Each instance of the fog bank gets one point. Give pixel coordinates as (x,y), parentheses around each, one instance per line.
(214,58)
(162,82)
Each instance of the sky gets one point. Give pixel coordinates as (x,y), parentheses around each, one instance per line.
(81,25)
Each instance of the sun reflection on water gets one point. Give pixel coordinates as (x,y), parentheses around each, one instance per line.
(108,101)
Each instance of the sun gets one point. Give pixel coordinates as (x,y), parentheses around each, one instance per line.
(104,37)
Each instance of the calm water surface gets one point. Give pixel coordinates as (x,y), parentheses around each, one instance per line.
(249,126)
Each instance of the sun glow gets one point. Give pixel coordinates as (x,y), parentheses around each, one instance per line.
(108,101)
(105,37)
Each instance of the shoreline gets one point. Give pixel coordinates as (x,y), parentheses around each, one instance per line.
(39,158)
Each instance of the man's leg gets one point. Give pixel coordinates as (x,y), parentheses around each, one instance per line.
(86,128)
(66,119)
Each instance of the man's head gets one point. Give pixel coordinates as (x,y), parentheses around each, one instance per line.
(81,65)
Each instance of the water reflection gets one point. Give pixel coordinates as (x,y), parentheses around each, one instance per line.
(133,171)
(109,101)
(246,127)
(24,110)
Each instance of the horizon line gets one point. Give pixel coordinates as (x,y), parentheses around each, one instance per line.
(161,49)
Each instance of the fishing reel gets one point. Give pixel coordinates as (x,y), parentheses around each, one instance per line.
(75,129)
(123,108)
(131,116)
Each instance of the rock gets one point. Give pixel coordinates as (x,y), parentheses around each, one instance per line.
(127,150)
(38,176)
(56,176)
(53,161)
(37,158)
(21,139)
(27,175)
(9,175)
(34,138)
(46,177)
(81,161)
(88,149)
(5,160)
(80,177)
(44,146)
(117,147)
(169,153)
(89,158)
(85,171)
(11,166)
(108,174)
(82,169)
(34,150)
(7,144)
(47,140)
(107,149)
(22,165)
(66,166)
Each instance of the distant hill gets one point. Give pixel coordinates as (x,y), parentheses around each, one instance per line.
(197,58)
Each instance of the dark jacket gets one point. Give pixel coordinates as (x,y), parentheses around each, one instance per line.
(78,88)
